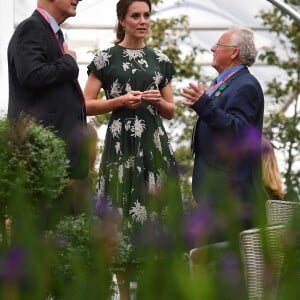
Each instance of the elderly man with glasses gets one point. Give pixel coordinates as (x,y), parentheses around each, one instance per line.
(227,137)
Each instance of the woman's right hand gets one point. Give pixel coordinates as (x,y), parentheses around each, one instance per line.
(95,106)
(132,99)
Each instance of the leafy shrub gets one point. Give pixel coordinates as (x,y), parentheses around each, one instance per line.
(80,268)
(72,238)
(33,163)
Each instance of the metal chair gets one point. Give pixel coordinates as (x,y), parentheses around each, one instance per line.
(262,257)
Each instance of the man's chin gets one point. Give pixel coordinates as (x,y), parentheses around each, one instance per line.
(72,12)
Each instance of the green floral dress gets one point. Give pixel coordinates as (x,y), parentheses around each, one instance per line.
(137,166)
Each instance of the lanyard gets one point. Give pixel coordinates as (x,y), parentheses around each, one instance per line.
(213,88)
(46,17)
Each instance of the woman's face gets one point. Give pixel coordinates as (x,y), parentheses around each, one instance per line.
(137,20)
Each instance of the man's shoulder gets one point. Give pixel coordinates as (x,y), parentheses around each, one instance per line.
(249,77)
(33,26)
(245,75)
(34,20)
(246,80)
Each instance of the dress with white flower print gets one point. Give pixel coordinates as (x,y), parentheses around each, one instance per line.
(137,157)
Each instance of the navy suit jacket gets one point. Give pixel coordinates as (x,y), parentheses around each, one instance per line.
(227,141)
(43,83)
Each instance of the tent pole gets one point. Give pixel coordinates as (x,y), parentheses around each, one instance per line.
(287,9)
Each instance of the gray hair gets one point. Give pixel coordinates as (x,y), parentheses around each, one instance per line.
(243,37)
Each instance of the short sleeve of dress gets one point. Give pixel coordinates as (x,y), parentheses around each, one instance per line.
(98,64)
(166,68)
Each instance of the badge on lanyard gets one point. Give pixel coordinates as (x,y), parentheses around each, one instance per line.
(221,88)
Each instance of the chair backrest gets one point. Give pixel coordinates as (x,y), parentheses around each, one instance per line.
(280,211)
(262,257)
(198,257)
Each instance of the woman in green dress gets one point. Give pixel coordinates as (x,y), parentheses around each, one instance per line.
(137,166)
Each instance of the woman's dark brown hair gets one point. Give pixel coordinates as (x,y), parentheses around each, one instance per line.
(122,8)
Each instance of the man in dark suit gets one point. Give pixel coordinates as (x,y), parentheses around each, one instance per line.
(227,136)
(43,79)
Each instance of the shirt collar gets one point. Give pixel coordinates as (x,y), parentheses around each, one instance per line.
(51,21)
(228,71)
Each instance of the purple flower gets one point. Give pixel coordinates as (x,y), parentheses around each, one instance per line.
(230,269)
(12,266)
(154,234)
(196,225)
(103,206)
(249,142)
(61,241)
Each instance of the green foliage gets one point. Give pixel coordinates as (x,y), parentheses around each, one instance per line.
(32,159)
(283,127)
(72,237)
(79,267)
(168,35)
(67,262)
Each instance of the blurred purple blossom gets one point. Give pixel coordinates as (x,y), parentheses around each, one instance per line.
(154,234)
(196,225)
(12,266)
(250,141)
(103,206)
(230,269)
(61,241)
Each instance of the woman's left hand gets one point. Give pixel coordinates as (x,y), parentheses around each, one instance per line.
(152,96)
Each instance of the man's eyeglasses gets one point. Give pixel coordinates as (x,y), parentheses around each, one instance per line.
(218,45)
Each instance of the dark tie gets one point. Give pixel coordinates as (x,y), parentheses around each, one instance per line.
(193,137)
(60,36)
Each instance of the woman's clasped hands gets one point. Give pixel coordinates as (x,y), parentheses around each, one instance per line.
(151,96)
(134,98)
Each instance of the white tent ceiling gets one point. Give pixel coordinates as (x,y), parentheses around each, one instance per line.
(93,28)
